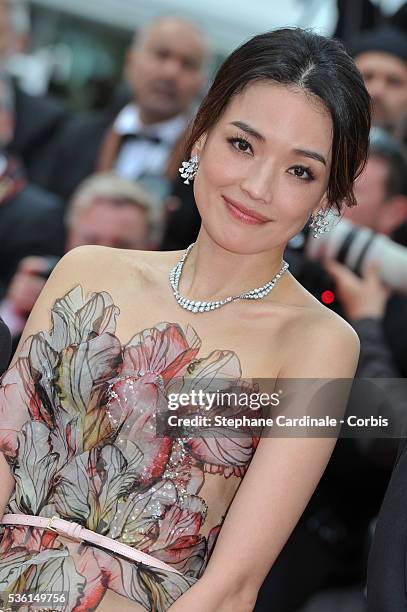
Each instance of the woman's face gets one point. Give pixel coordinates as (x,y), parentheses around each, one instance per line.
(270,152)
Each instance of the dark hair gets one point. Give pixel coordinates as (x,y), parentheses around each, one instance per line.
(387,148)
(319,65)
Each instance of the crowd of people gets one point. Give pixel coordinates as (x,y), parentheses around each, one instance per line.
(111,178)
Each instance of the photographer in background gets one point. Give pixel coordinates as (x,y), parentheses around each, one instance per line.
(335,525)
(381,56)
(376,313)
(373,232)
(105,210)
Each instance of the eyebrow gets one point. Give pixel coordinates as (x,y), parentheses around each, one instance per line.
(248,129)
(252,132)
(311,154)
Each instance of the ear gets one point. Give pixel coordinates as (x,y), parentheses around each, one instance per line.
(199,145)
(323,203)
(128,64)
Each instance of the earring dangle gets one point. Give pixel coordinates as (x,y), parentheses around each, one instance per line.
(189,168)
(319,223)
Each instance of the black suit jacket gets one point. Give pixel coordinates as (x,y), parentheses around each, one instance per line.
(5,346)
(31,223)
(39,120)
(387,569)
(77,152)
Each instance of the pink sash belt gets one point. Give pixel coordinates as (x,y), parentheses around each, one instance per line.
(77,532)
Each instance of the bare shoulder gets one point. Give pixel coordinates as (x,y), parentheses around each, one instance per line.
(318,342)
(120,272)
(94,264)
(88,258)
(331,329)
(95,269)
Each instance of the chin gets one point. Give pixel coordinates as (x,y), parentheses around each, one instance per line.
(237,242)
(163,105)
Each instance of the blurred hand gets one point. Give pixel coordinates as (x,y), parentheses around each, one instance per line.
(172,203)
(26,285)
(359,297)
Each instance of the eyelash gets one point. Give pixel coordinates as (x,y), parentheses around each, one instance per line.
(306,169)
(238,139)
(241,140)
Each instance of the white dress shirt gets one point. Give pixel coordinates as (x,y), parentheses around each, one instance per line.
(143,157)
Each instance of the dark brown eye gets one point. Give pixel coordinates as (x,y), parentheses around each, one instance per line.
(241,144)
(301,172)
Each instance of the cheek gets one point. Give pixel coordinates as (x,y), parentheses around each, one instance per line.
(216,171)
(143,70)
(295,201)
(400,96)
(216,176)
(188,83)
(212,175)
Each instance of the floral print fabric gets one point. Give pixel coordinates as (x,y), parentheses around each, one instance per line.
(78,429)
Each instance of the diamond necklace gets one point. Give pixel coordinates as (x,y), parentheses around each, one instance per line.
(198,306)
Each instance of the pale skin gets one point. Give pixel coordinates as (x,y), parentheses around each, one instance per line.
(287,334)
(376,208)
(385,77)
(165,68)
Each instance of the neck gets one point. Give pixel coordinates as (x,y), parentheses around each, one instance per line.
(148,118)
(234,273)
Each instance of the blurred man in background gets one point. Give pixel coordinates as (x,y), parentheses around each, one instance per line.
(381,190)
(105,210)
(38,119)
(381,193)
(31,219)
(14,26)
(165,71)
(111,211)
(381,56)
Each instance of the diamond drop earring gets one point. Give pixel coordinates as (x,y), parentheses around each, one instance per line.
(319,223)
(189,168)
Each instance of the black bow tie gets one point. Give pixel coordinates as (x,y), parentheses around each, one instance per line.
(140,136)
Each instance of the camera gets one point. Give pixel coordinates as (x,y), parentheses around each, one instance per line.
(355,247)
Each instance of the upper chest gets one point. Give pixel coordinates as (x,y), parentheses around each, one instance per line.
(252,338)
(251,345)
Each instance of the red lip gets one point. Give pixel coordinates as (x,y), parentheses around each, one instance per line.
(250,213)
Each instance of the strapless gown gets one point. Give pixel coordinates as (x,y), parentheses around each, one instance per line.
(77,427)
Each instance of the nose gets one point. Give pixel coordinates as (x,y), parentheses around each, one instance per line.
(257,184)
(375,87)
(171,68)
